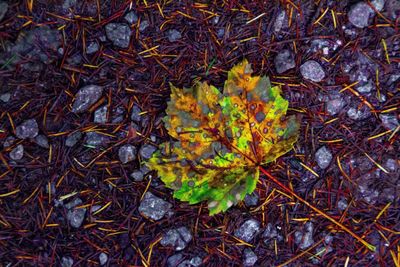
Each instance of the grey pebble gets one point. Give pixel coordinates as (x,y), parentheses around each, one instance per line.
(143,25)
(86,97)
(17,153)
(92,48)
(312,70)
(100,115)
(153,207)
(177,238)
(323,157)
(390,122)
(119,34)
(173,35)
(27,129)
(248,230)
(73,138)
(131,17)
(284,61)
(250,258)
(127,153)
(103,258)
(137,176)
(67,261)
(42,141)
(147,150)
(5,97)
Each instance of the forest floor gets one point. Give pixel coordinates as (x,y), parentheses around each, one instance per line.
(83,90)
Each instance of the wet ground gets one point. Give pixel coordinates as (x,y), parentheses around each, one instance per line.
(83,89)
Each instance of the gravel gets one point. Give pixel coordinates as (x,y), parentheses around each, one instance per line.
(390,122)
(119,34)
(135,114)
(312,70)
(305,239)
(143,25)
(131,17)
(359,15)
(146,151)
(75,217)
(27,129)
(281,21)
(17,153)
(86,97)
(73,138)
(177,238)
(127,153)
(342,204)
(9,141)
(173,35)
(3,9)
(137,176)
(103,258)
(334,106)
(284,61)
(323,157)
(248,230)
(42,141)
(153,207)
(95,139)
(251,200)
(5,97)
(92,48)
(100,115)
(67,261)
(249,258)
(358,114)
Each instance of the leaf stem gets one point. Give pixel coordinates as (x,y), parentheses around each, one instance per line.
(320,212)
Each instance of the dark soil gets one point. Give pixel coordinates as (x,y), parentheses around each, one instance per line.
(46,57)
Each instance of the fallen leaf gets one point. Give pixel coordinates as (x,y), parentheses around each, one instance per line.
(222,138)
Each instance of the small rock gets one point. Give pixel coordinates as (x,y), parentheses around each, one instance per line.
(270,232)
(250,258)
(9,141)
(391,165)
(173,35)
(195,261)
(147,150)
(76,216)
(92,48)
(27,129)
(248,230)
(323,157)
(118,115)
(100,115)
(127,153)
(72,139)
(312,70)
(131,17)
(67,262)
(281,21)
(137,176)
(390,122)
(358,114)
(103,258)
(174,260)
(42,141)
(5,97)
(305,240)
(143,25)
(366,87)
(334,106)
(251,200)
(17,153)
(119,34)
(360,14)
(153,207)
(3,9)
(220,33)
(342,204)
(378,4)
(86,97)
(177,238)
(135,113)
(95,139)
(73,203)
(284,61)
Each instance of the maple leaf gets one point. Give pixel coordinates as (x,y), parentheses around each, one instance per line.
(222,138)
